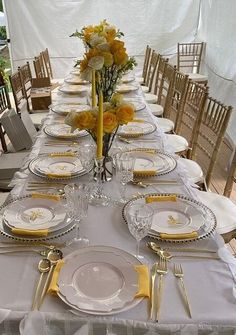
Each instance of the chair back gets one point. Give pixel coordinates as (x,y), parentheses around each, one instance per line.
(231,177)
(159,74)
(146,62)
(178,98)
(18,91)
(189,57)
(39,67)
(26,80)
(4,106)
(166,88)
(152,70)
(47,63)
(210,134)
(189,118)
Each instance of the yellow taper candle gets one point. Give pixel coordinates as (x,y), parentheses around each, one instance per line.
(100,126)
(93,89)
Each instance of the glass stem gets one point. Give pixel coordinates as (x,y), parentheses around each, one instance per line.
(123,191)
(137,248)
(77,229)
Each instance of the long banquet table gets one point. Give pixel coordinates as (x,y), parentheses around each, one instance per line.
(211,284)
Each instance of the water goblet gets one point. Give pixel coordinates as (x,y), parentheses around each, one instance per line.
(124,172)
(139,223)
(77,209)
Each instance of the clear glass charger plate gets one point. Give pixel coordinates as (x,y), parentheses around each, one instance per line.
(183,216)
(111,280)
(63,131)
(38,166)
(136,128)
(64,109)
(62,229)
(138,104)
(73,89)
(147,160)
(75,80)
(126,88)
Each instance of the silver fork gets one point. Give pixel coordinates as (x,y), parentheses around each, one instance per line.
(178,272)
(161,271)
(153,296)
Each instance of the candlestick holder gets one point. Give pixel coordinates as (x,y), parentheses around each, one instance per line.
(98,198)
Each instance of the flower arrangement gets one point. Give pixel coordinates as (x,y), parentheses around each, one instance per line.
(115,113)
(106,54)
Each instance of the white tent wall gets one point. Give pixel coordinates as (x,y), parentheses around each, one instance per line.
(217,27)
(34,25)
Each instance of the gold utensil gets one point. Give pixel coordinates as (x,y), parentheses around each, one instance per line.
(153,295)
(161,271)
(43,267)
(168,256)
(159,182)
(53,257)
(155,246)
(178,272)
(59,191)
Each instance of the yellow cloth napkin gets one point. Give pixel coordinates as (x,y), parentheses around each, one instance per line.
(46,196)
(28,232)
(143,281)
(58,175)
(139,120)
(166,236)
(53,287)
(63,154)
(160,198)
(148,173)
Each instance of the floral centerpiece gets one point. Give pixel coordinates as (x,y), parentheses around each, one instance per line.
(106,54)
(115,113)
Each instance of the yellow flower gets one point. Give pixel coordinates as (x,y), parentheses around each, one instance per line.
(84,120)
(116,45)
(125,114)
(109,122)
(88,31)
(110,33)
(108,59)
(116,99)
(120,57)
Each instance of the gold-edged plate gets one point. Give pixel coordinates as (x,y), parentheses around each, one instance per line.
(65,108)
(136,128)
(63,131)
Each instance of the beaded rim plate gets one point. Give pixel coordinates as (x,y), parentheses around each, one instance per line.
(6,231)
(73,89)
(62,131)
(204,231)
(137,128)
(65,108)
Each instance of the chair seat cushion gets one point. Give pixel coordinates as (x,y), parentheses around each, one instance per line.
(145,89)
(156,109)
(177,142)
(192,169)
(3,196)
(223,208)
(139,79)
(150,98)
(165,124)
(38,118)
(197,77)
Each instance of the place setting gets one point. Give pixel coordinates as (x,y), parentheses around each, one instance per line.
(136,128)
(63,131)
(64,109)
(73,89)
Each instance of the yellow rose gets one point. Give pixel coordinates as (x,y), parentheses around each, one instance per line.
(85,120)
(116,99)
(125,114)
(116,45)
(87,33)
(111,34)
(120,57)
(109,122)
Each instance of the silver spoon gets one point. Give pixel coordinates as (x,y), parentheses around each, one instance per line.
(154,246)
(43,267)
(53,256)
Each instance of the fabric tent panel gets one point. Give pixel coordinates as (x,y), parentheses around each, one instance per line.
(35,25)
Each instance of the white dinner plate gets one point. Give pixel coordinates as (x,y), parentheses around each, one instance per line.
(111,280)
(181,217)
(127,78)
(35,213)
(75,72)
(152,160)
(135,129)
(73,89)
(64,109)
(75,80)
(125,88)
(61,130)
(138,104)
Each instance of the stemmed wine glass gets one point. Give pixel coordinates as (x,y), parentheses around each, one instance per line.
(139,223)
(124,172)
(77,209)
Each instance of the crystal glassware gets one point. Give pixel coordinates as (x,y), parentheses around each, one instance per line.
(124,172)
(139,223)
(77,208)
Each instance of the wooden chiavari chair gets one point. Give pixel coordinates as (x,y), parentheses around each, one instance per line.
(47,63)
(189,56)
(231,177)
(142,80)
(4,106)
(26,81)
(149,79)
(39,67)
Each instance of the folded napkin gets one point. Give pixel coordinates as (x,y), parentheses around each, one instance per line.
(166,236)
(143,281)
(28,232)
(63,154)
(139,120)
(157,198)
(53,287)
(58,175)
(148,173)
(46,196)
